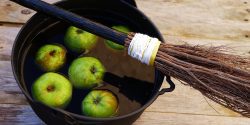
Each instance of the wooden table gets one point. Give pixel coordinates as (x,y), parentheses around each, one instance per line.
(209,22)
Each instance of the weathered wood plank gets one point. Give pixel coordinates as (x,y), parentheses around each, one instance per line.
(18,115)
(7,37)
(9,90)
(157,118)
(14,109)
(185,99)
(14,13)
(214,19)
(24,115)
(217,22)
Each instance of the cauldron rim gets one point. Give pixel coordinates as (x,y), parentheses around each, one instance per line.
(14,59)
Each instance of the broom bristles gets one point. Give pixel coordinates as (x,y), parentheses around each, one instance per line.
(223,78)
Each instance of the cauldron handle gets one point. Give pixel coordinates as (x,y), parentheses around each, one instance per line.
(170,89)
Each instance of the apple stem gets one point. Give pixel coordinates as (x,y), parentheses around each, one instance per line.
(50,88)
(52,53)
(97,100)
(93,70)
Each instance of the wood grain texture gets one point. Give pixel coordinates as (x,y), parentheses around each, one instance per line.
(14,109)
(18,115)
(14,13)
(9,90)
(185,99)
(157,118)
(192,16)
(7,37)
(214,22)
(209,22)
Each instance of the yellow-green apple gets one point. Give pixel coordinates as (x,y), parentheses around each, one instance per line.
(52,89)
(79,41)
(51,57)
(100,104)
(86,72)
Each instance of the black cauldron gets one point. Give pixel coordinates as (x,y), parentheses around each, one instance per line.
(124,11)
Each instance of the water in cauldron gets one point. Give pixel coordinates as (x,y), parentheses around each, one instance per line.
(131,81)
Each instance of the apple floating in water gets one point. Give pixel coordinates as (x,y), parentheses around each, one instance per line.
(86,72)
(114,45)
(79,41)
(100,104)
(52,89)
(51,57)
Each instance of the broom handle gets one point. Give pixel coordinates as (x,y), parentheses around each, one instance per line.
(74,20)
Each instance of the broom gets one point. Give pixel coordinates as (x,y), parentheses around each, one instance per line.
(222,77)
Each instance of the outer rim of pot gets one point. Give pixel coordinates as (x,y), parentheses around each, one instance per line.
(141,109)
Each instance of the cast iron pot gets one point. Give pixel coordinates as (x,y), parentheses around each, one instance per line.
(122,11)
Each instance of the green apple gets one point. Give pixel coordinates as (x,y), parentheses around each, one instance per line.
(100,104)
(51,57)
(86,72)
(79,41)
(52,89)
(114,45)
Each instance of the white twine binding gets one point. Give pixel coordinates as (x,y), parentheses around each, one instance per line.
(142,46)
